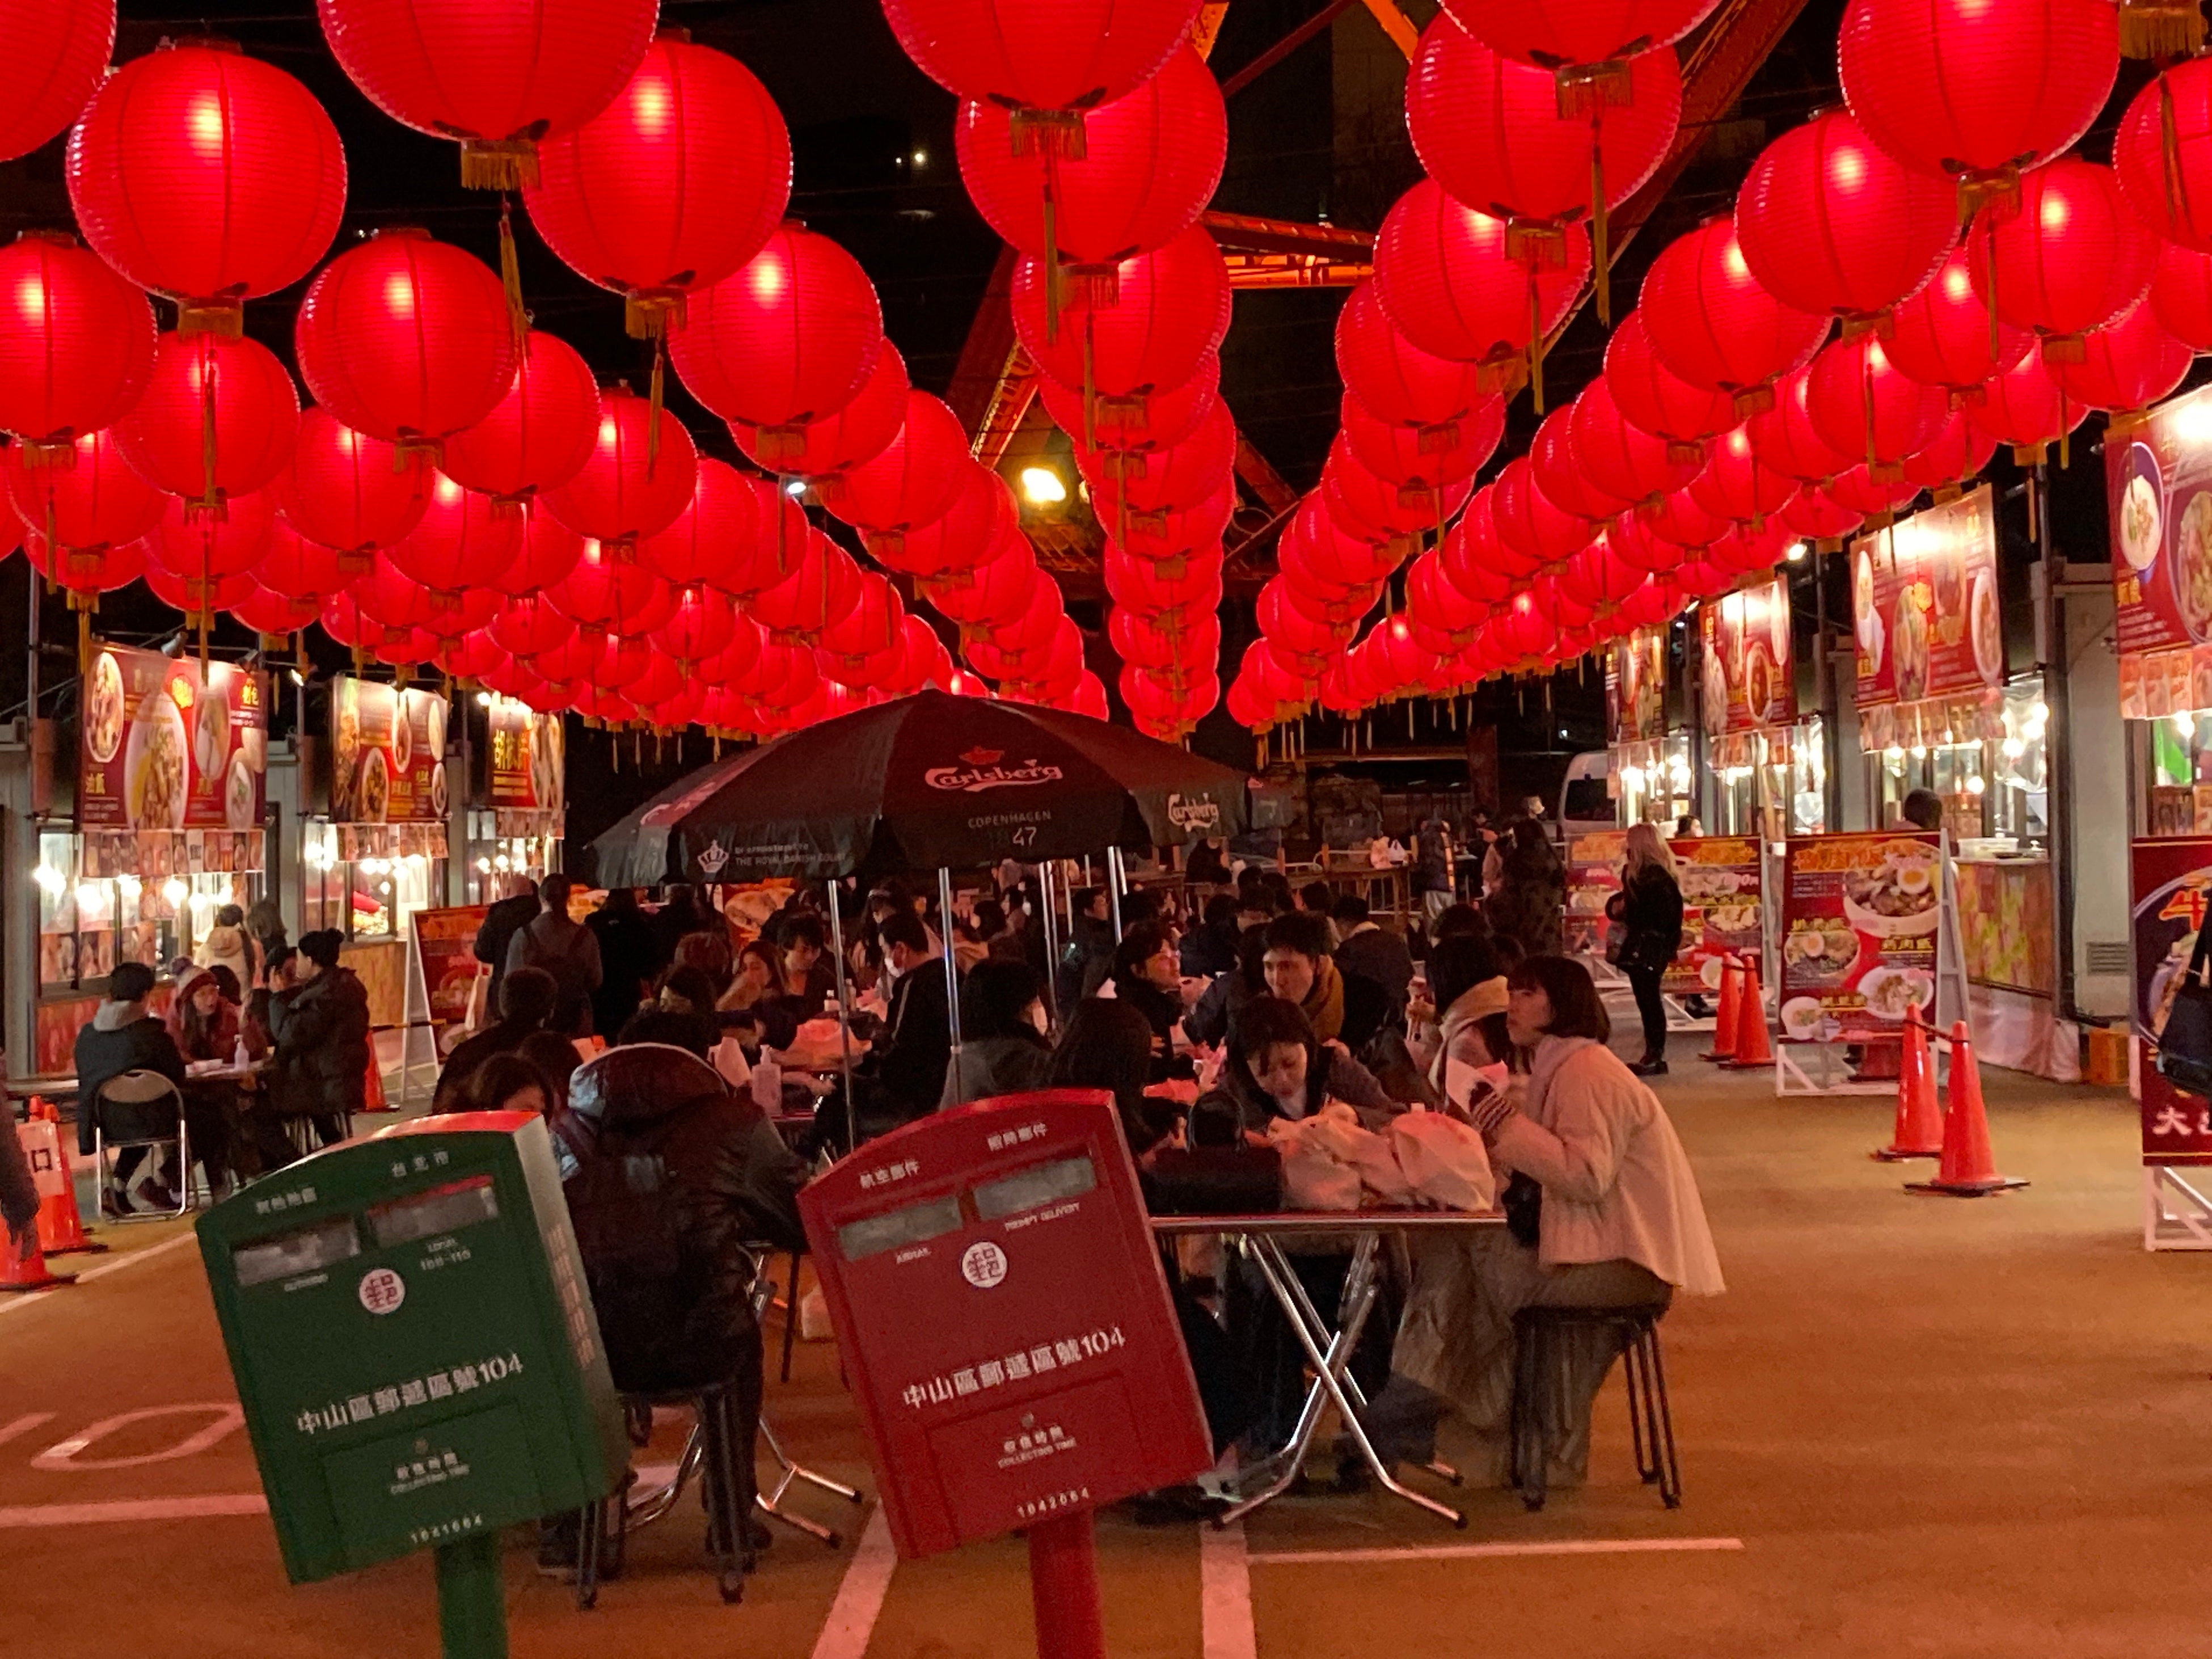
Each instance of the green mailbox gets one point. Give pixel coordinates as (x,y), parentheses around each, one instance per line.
(415,1349)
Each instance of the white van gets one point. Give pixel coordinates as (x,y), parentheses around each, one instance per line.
(1587,806)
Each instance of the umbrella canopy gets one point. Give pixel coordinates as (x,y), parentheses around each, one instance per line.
(922,782)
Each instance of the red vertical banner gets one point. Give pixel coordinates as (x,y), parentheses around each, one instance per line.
(2171,878)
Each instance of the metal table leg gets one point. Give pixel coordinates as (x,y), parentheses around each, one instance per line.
(1328,1369)
(770,1502)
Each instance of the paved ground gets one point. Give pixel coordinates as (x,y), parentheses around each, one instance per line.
(1913,1426)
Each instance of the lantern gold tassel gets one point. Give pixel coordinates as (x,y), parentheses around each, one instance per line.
(82,605)
(1535,342)
(1600,262)
(2170,146)
(208,504)
(510,277)
(653,411)
(2160,29)
(498,163)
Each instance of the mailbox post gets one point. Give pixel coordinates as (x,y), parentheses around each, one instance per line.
(999,1301)
(416,1353)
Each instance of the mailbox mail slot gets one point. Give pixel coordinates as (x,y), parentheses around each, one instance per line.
(413,1341)
(999,1300)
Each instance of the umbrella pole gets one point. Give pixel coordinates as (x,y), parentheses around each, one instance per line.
(844,1018)
(1051,943)
(951,968)
(1116,880)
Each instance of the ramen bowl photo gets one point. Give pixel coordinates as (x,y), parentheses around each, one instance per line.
(1802,1018)
(2140,514)
(1891,991)
(103,708)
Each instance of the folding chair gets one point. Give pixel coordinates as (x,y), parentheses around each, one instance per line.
(141,1092)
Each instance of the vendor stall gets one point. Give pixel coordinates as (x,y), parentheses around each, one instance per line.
(1758,752)
(518,831)
(170,787)
(1652,770)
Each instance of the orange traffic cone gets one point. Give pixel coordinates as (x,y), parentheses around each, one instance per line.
(61,1228)
(22,1264)
(372,1094)
(1968,1170)
(1919,1131)
(1725,1019)
(1752,1047)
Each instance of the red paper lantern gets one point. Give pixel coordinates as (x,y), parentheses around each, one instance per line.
(218,418)
(1570,34)
(2181,295)
(347,490)
(1817,516)
(1164,646)
(1860,491)
(1715,326)
(1959,452)
(207,175)
(1829,223)
(297,569)
(1069,57)
(1652,398)
(788,340)
(1529,523)
(867,645)
(2073,258)
(1636,545)
(1560,472)
(1294,635)
(201,597)
(1320,553)
(1143,330)
(2027,408)
(541,433)
(1941,337)
(1443,617)
(913,479)
(390,597)
(1748,548)
(405,338)
(96,501)
(1599,579)
(2129,363)
(981,517)
(1378,510)
(1862,407)
(840,442)
(711,534)
(272,614)
(459,542)
(1148,164)
(2168,182)
(1975,91)
(765,546)
(1174,480)
(1617,458)
(997,591)
(704,623)
(54,54)
(823,588)
(1170,536)
(1445,276)
(1394,380)
(1737,484)
(671,187)
(530,628)
(87,571)
(1682,520)
(1191,592)
(1407,457)
(1786,439)
(631,486)
(610,594)
(192,545)
(77,343)
(472,656)
(501,75)
(1154,420)
(1492,130)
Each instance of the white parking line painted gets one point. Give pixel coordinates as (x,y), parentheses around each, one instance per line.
(1225,1594)
(23,1424)
(134,1508)
(61,1294)
(860,1593)
(1483,1552)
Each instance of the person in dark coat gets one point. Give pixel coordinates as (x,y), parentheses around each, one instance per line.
(320,1067)
(1527,906)
(1089,952)
(1366,949)
(669,1174)
(1210,948)
(902,1076)
(1651,915)
(507,917)
(562,946)
(1209,1022)
(630,959)
(1003,1049)
(1301,968)
(1147,975)
(526,1003)
(122,1036)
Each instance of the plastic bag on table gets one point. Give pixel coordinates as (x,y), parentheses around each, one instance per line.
(1443,1161)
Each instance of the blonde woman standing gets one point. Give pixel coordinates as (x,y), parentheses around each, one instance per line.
(1651,912)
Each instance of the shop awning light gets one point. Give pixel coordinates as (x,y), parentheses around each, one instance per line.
(1042,487)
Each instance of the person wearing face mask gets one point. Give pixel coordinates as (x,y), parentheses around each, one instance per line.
(1003,1049)
(1608,1216)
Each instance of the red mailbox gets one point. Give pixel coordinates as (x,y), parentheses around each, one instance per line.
(999,1300)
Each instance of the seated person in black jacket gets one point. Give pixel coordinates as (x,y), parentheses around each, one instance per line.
(1363,947)
(526,997)
(1341,1007)
(1210,948)
(670,1175)
(902,1076)
(1147,975)
(123,1037)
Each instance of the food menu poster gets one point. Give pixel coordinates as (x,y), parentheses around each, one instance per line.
(1593,878)
(445,946)
(1750,678)
(1861,916)
(2159,486)
(1723,913)
(2170,880)
(1636,687)
(527,752)
(165,746)
(1924,605)
(388,753)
